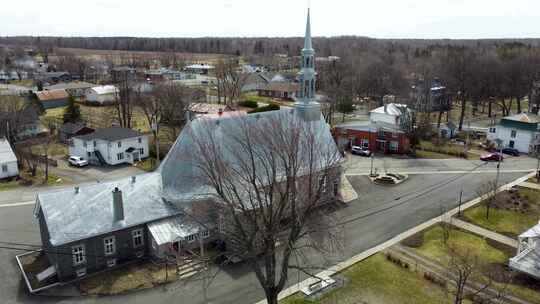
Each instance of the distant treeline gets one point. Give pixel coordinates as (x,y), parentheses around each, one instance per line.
(336,46)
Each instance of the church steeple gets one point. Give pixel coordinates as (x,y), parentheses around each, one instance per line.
(307,38)
(306,102)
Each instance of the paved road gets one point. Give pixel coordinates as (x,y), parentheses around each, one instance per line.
(90,174)
(377,215)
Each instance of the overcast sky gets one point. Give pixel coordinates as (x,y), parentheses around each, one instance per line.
(239,18)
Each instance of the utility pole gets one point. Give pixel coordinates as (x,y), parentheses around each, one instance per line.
(371,170)
(499,144)
(155,129)
(459,204)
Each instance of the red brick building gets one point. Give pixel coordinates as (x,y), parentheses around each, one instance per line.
(376,137)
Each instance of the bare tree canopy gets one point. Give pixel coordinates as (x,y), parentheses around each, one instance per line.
(270,176)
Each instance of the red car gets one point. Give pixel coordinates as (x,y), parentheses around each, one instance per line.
(496,156)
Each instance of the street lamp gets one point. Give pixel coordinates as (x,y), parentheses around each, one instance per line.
(371,170)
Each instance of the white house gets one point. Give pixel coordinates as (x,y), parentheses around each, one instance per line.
(518,131)
(102,94)
(110,146)
(527,259)
(8,160)
(388,114)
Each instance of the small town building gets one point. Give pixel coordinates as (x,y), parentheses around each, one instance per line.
(520,131)
(196,110)
(75,89)
(8,161)
(281,90)
(383,133)
(110,146)
(102,95)
(22,124)
(389,114)
(253,82)
(70,129)
(380,138)
(107,225)
(199,68)
(53,77)
(123,74)
(53,98)
(527,258)
(448,130)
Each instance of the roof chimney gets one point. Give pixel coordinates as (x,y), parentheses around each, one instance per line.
(118,205)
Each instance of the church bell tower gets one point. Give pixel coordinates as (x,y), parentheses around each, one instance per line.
(306,102)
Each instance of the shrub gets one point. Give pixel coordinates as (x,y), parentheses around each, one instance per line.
(249,104)
(270,107)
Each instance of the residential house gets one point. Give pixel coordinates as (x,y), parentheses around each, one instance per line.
(122,74)
(383,133)
(390,114)
(53,98)
(102,95)
(70,129)
(8,161)
(110,146)
(53,77)
(520,131)
(196,110)
(437,99)
(527,259)
(448,130)
(21,124)
(199,68)
(253,82)
(75,89)
(102,226)
(281,90)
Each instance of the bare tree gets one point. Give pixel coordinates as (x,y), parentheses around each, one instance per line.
(124,103)
(488,193)
(229,81)
(270,180)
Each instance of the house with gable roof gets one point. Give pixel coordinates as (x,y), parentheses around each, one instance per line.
(520,131)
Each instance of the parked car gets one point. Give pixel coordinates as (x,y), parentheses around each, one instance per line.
(511,151)
(495,156)
(357,150)
(77,161)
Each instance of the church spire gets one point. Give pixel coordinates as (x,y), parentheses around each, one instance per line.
(307,38)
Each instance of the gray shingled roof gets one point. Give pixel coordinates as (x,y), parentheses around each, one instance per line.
(182,180)
(74,216)
(111,134)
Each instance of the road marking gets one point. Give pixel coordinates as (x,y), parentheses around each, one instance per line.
(17,204)
(450,172)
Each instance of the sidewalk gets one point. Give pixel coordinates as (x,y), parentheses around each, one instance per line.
(483,232)
(530,185)
(346,190)
(291,290)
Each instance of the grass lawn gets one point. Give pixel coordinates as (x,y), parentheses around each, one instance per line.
(26,179)
(432,155)
(433,248)
(147,165)
(55,149)
(505,221)
(8,185)
(129,278)
(377,280)
(442,150)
